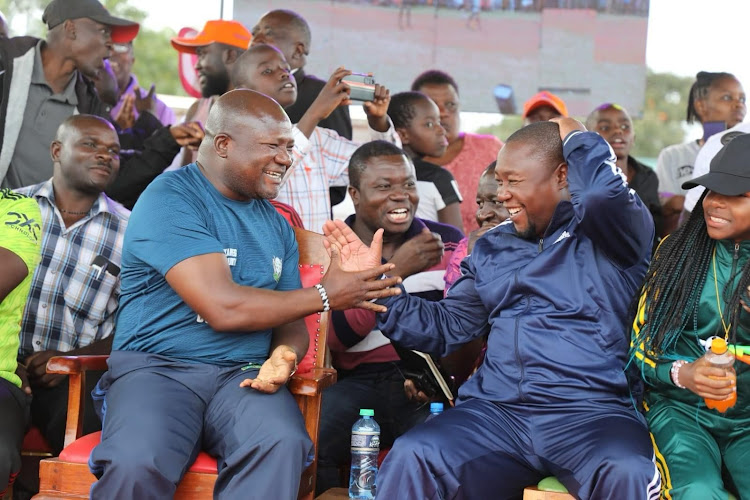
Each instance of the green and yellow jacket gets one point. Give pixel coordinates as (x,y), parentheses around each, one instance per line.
(730,258)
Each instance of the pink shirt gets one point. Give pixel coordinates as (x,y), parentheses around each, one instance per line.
(478,152)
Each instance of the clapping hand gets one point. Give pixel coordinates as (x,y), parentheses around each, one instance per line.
(355,255)
(188,134)
(352,279)
(145,102)
(126,116)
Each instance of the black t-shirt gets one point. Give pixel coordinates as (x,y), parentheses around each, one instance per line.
(441,178)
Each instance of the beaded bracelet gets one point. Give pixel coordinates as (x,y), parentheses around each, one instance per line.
(674,373)
(324,297)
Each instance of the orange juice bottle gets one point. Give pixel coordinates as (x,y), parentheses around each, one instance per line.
(720,357)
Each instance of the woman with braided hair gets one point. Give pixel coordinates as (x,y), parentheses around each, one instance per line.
(692,292)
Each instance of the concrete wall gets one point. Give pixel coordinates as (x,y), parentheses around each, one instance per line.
(585,57)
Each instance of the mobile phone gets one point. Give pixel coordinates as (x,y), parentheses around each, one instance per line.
(711,128)
(504,98)
(361,86)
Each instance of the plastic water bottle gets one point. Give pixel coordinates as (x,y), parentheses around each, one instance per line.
(365,449)
(435,410)
(720,357)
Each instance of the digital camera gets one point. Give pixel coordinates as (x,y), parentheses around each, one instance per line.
(361,85)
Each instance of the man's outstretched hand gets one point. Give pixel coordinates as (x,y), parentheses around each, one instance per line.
(275,372)
(352,279)
(355,255)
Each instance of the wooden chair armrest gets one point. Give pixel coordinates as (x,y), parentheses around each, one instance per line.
(312,382)
(75,367)
(68,365)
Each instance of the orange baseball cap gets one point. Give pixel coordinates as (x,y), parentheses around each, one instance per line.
(228,32)
(544,98)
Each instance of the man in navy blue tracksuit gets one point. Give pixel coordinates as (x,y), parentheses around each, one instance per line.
(552,287)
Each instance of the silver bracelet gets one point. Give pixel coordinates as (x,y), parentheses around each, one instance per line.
(324,297)
(674,372)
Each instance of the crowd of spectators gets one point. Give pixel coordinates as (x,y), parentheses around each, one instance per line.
(567,290)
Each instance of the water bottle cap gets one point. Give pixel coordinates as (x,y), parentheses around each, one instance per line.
(718,345)
(366,413)
(436,407)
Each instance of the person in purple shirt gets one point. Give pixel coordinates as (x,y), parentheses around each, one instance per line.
(133,100)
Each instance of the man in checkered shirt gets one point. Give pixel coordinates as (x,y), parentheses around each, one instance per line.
(75,290)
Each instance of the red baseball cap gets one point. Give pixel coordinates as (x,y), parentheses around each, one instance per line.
(59,11)
(545,98)
(219,31)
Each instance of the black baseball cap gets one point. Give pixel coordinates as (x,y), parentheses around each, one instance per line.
(59,11)
(730,169)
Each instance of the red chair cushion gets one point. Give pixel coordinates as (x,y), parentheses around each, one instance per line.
(34,441)
(310,275)
(204,463)
(79,450)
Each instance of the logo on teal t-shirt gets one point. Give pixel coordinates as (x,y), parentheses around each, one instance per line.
(276,268)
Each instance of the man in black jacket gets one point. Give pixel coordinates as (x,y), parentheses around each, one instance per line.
(43,83)
(53,76)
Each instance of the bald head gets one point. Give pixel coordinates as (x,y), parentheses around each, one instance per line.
(237,108)
(287,31)
(248,145)
(292,21)
(86,155)
(544,137)
(75,123)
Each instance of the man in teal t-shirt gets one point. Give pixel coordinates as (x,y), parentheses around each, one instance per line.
(20,247)
(211,322)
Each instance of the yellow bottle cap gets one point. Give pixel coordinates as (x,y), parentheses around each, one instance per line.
(718,345)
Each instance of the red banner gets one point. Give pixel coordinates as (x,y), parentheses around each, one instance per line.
(188,75)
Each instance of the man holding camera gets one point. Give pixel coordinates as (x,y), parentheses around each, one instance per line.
(382,185)
(290,33)
(320,155)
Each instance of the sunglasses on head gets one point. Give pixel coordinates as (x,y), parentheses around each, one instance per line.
(120,48)
(610,105)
